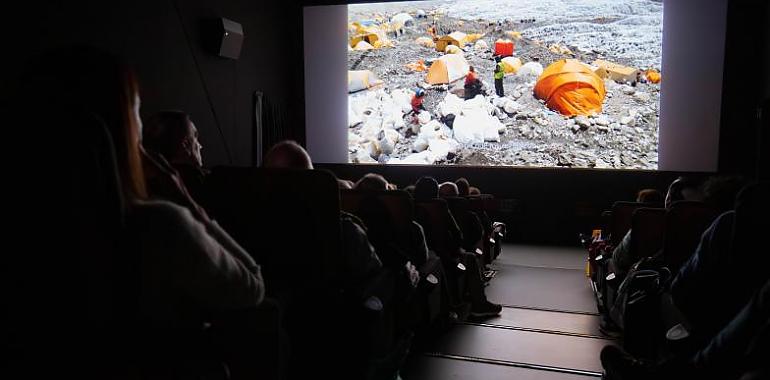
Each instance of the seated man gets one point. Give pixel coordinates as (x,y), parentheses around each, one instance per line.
(173,135)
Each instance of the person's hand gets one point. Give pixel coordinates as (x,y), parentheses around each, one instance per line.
(164,181)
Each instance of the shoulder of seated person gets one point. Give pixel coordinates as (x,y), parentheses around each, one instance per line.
(160,211)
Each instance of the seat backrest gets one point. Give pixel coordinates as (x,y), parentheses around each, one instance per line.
(477,206)
(685,223)
(606,222)
(749,244)
(433,216)
(288,220)
(388,216)
(621,219)
(648,226)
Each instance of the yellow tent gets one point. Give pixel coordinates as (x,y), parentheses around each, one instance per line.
(511,65)
(447,69)
(614,71)
(570,87)
(454,38)
(362,80)
(370,37)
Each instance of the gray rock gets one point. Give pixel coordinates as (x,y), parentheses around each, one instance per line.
(628,90)
(615,126)
(642,96)
(583,122)
(602,121)
(575,128)
(603,128)
(628,120)
(541,121)
(516,95)
(565,160)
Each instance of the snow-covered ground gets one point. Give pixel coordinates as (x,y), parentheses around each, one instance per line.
(627,30)
(518,129)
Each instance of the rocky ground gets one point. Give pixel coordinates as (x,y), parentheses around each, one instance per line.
(624,135)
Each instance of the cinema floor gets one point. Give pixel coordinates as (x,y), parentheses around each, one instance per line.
(549,328)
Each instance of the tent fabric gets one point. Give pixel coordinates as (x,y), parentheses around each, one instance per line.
(359,80)
(447,69)
(454,38)
(363,45)
(511,65)
(452,49)
(614,71)
(570,87)
(369,37)
(504,48)
(534,69)
(424,41)
(513,34)
(402,19)
(653,76)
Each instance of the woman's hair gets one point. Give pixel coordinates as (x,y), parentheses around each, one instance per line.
(165,132)
(100,83)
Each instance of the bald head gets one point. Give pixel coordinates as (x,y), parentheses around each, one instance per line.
(287,155)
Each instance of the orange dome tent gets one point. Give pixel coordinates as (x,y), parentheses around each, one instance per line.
(570,87)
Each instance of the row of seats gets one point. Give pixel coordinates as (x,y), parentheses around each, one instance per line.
(290,221)
(686,300)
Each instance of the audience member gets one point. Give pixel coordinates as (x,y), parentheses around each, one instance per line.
(362,263)
(173,135)
(474,191)
(448,189)
(287,154)
(184,256)
(427,189)
(726,266)
(372,182)
(680,189)
(739,348)
(652,197)
(463,187)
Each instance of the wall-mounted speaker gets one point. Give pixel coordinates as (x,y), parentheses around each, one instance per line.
(224,37)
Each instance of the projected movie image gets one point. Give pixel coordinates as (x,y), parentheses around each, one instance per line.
(536,83)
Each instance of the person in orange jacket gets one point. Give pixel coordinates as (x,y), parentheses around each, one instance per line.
(472,84)
(417,99)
